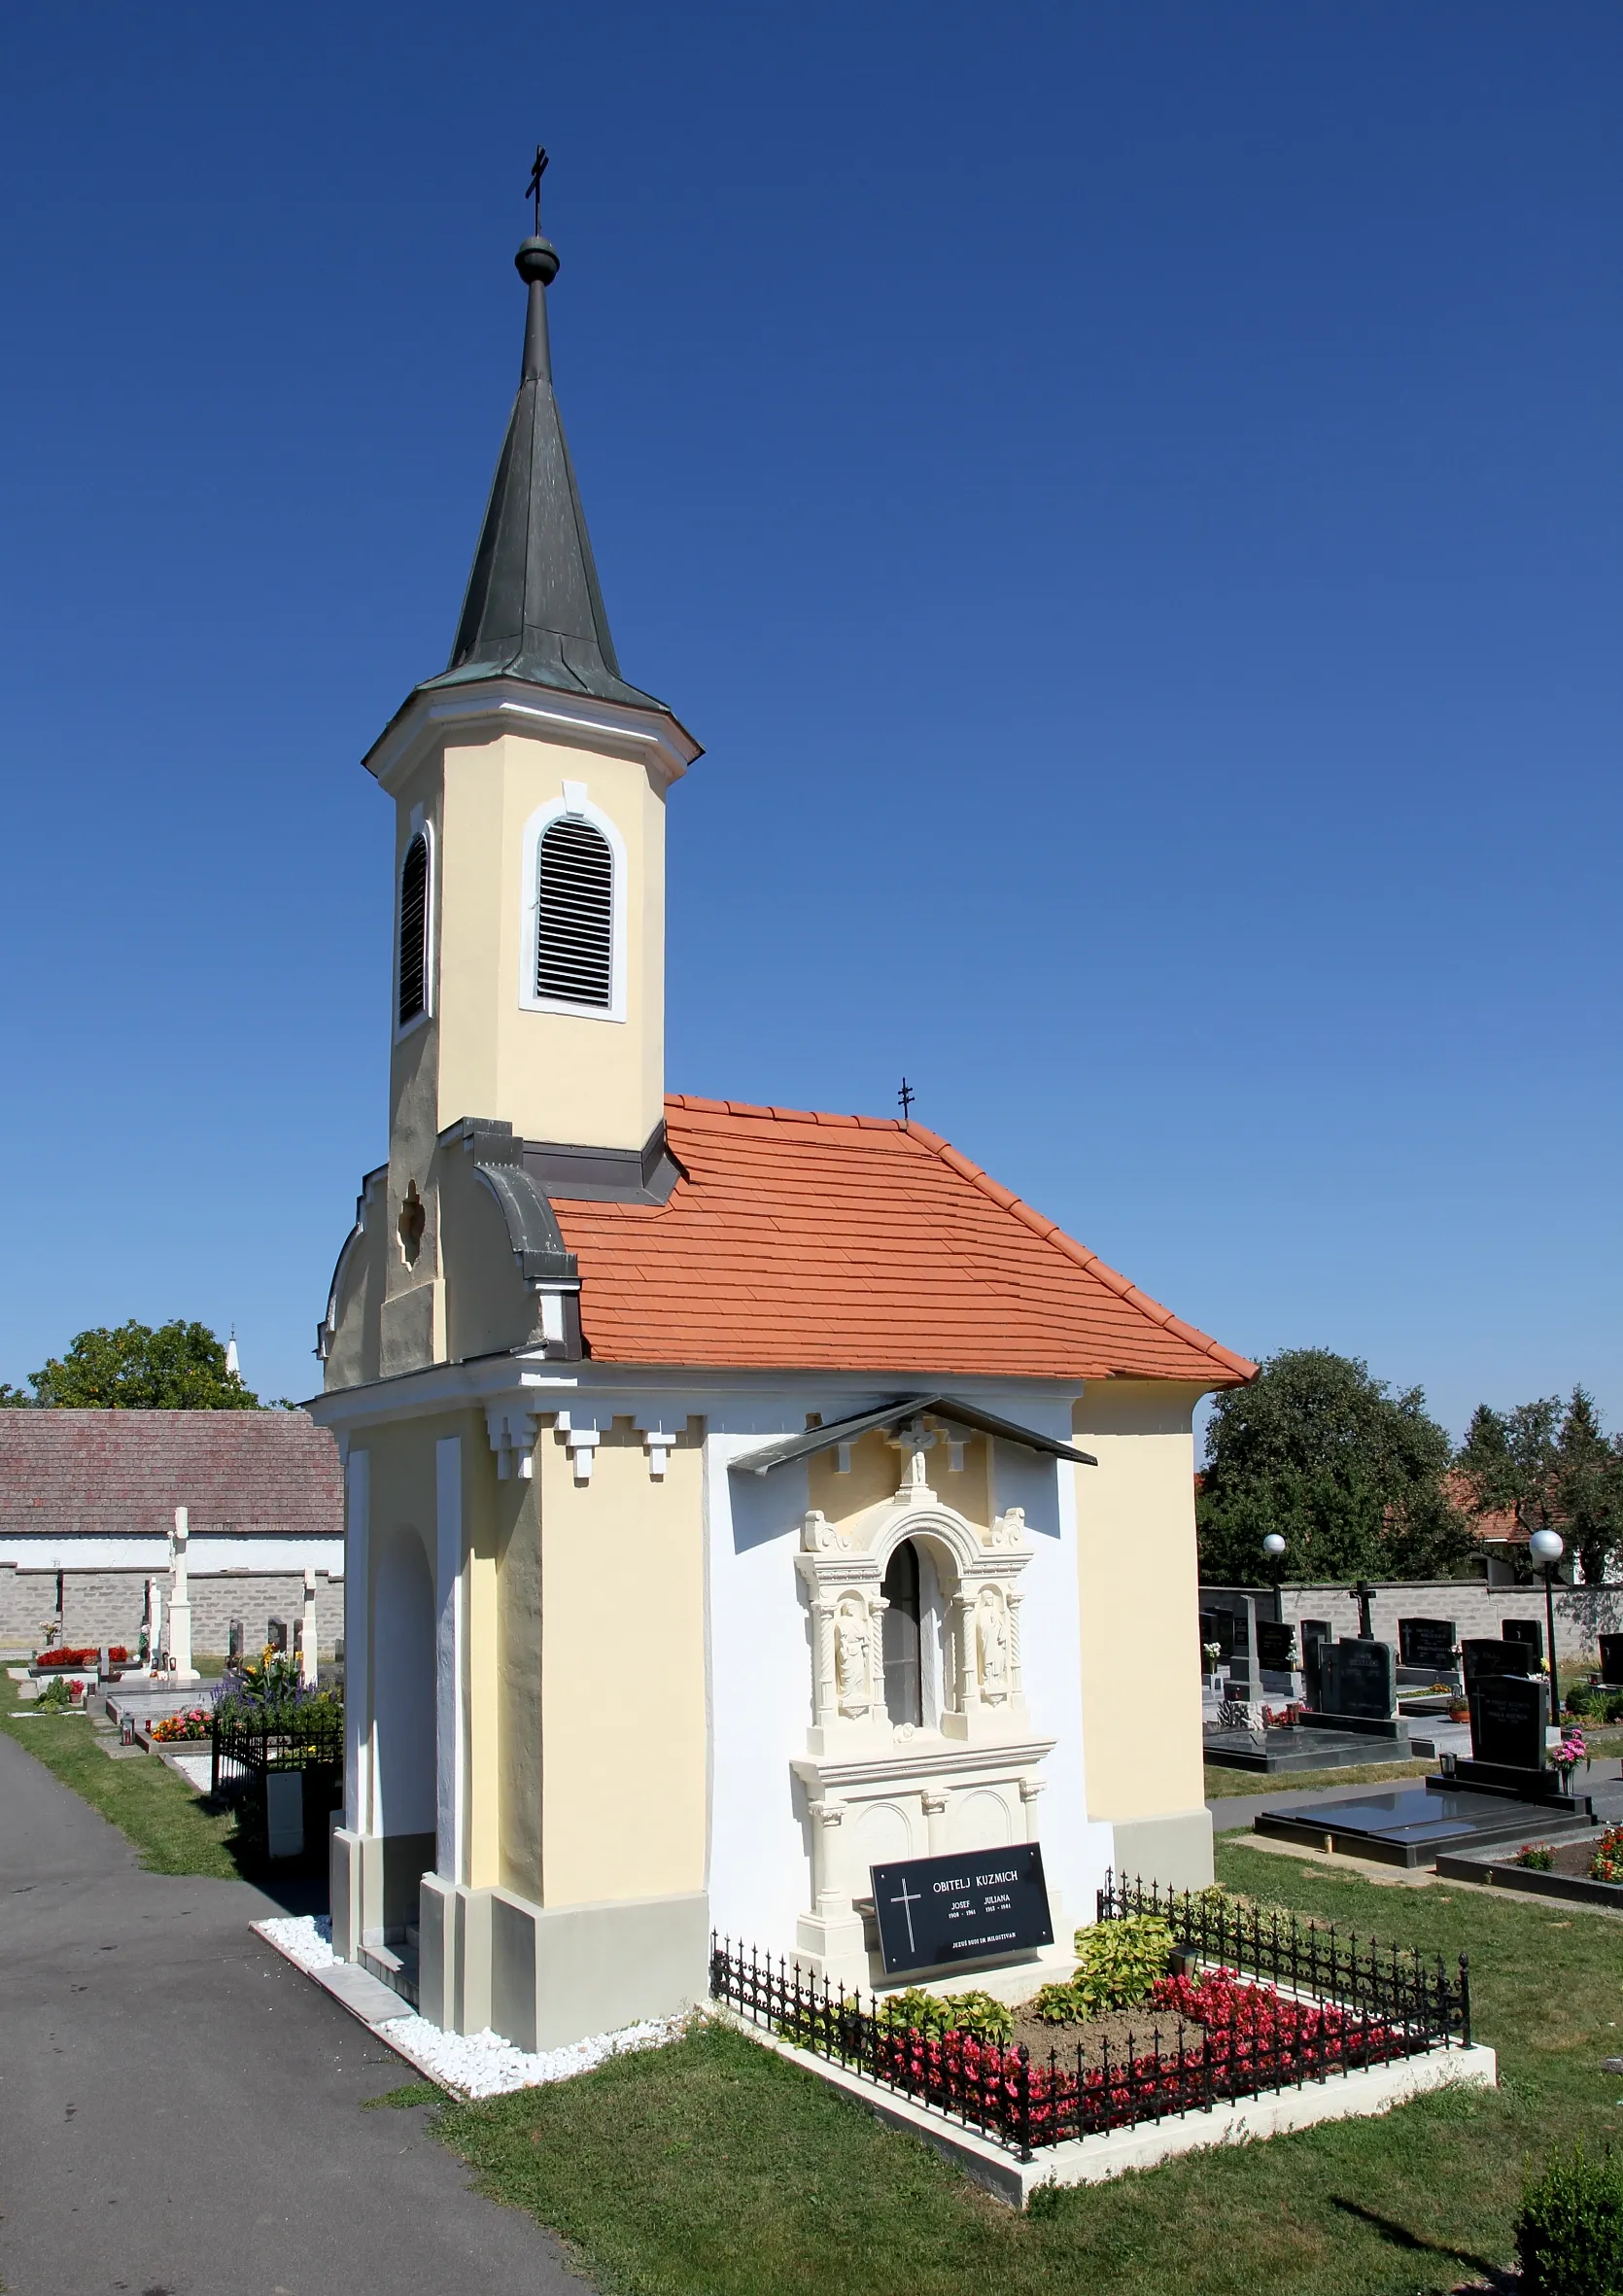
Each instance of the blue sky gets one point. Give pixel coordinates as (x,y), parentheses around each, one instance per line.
(1128,496)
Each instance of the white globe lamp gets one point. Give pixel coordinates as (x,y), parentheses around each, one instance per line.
(1547,1549)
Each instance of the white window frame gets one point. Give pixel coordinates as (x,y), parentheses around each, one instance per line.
(572,804)
(419,826)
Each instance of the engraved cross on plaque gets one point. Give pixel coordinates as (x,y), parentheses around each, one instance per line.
(907,1900)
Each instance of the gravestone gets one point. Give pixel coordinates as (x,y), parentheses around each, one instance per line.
(1356,1679)
(1276,1646)
(1527,1631)
(279,1634)
(1228,1632)
(234,1642)
(1483,1657)
(1508,1713)
(1427,1643)
(1315,1635)
(1612,1658)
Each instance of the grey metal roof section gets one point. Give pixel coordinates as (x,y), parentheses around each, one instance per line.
(532,1230)
(605,1175)
(891,1414)
(533,609)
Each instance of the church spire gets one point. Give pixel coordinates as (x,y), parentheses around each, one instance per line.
(533,609)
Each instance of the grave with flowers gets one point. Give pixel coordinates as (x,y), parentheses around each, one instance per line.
(1191,2019)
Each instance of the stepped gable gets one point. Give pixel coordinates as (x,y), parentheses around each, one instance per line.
(111,1473)
(795,1239)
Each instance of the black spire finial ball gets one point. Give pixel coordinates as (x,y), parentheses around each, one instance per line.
(536,258)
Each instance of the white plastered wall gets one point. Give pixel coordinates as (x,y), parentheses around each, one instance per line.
(760,1673)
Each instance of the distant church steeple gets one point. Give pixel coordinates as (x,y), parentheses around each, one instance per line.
(533,609)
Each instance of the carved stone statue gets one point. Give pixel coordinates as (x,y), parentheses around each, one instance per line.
(851,1661)
(992,1627)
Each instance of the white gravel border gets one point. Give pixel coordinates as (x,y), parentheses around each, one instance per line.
(469,2065)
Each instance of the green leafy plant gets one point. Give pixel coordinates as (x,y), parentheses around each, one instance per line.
(1582,1699)
(1537,1857)
(1117,1962)
(53,1699)
(934,2014)
(1569,2233)
(180,1367)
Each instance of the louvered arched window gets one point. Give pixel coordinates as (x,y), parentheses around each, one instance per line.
(575,915)
(414,930)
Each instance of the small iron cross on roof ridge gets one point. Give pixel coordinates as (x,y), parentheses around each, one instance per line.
(533,191)
(907,1096)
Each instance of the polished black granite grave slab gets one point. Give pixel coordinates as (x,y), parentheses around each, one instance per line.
(1410,1824)
(1277,1752)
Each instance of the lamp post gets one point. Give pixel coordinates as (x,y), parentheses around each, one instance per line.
(1273,1546)
(1547,1547)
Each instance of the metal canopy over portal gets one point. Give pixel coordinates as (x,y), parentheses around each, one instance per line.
(891,1414)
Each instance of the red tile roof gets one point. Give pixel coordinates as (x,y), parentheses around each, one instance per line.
(798,1240)
(111,1472)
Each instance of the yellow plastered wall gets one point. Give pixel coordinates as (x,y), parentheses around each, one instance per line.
(509,1789)
(552,1076)
(1140,1599)
(876,1471)
(623,1714)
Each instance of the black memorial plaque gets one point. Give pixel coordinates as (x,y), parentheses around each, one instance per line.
(1508,1713)
(1357,1677)
(1481,1658)
(968,1907)
(1527,1631)
(1427,1642)
(1276,1646)
(1612,1658)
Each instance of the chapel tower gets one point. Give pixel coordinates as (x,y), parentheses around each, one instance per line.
(528,998)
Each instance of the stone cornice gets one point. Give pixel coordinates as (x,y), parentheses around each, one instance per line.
(496,706)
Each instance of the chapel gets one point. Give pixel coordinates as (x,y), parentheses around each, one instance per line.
(738,1499)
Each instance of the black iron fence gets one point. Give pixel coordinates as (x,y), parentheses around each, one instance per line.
(1281,2003)
(1317,1960)
(245,1752)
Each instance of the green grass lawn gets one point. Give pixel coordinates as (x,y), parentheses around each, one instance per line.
(713,2168)
(173,1827)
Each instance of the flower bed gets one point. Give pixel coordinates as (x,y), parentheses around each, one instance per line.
(1204,2038)
(196,1721)
(1607,1865)
(88,1656)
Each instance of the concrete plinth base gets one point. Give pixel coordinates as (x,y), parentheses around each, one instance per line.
(562,1973)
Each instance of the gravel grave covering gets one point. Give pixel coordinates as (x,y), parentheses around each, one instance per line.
(471,2064)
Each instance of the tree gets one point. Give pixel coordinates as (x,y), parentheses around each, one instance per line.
(1347,1471)
(1551,1470)
(181,1367)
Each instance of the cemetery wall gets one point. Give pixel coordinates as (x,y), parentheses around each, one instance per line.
(1137,1585)
(1581,1613)
(107,1606)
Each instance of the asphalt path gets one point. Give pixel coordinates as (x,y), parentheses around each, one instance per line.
(180,2110)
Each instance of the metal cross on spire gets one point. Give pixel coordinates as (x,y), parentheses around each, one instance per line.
(907,1096)
(533,191)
